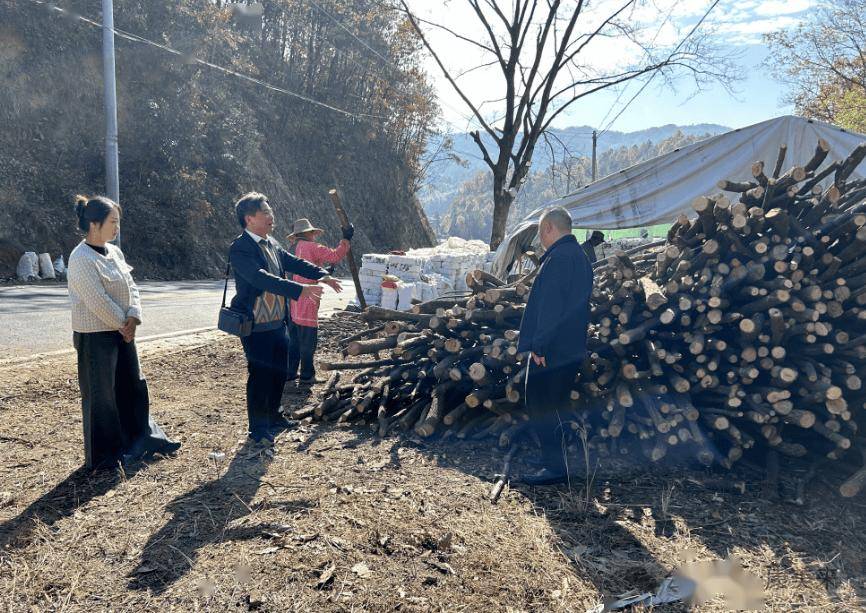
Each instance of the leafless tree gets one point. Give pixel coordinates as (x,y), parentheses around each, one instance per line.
(541,49)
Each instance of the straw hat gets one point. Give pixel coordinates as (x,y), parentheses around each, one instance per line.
(302,226)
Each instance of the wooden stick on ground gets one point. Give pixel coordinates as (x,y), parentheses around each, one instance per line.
(503,477)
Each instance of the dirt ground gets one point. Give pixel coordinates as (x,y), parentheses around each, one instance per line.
(337,520)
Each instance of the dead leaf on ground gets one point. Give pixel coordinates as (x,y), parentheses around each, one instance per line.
(341,489)
(442,567)
(338,543)
(326,577)
(362,570)
(305,538)
(379,465)
(253,602)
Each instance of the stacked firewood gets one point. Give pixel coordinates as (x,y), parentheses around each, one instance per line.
(744,329)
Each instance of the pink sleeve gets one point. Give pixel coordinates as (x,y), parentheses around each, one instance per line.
(326,255)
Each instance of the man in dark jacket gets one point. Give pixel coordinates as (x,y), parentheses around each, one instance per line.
(553,330)
(261,270)
(595,239)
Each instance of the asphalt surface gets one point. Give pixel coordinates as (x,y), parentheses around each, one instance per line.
(34,319)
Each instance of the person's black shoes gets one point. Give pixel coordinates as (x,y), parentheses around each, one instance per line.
(141,453)
(545,476)
(282,424)
(169,448)
(309,382)
(129,460)
(263,437)
(260,445)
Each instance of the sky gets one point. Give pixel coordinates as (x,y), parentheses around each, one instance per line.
(736,27)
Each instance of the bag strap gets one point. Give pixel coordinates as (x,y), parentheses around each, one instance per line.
(226,288)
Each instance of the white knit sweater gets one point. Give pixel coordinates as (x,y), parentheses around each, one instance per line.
(101,289)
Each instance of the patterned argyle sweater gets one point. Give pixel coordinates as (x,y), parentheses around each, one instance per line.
(269,311)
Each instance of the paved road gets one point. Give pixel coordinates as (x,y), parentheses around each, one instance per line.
(34,319)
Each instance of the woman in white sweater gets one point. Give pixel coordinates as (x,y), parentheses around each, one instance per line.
(105,313)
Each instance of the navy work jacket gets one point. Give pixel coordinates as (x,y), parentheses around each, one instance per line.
(557,312)
(252,277)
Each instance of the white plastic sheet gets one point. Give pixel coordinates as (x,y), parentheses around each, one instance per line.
(657,190)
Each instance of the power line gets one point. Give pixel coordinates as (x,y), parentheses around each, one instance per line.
(353,35)
(140,39)
(388,62)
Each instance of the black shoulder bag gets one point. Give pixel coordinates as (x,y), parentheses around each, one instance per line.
(232,321)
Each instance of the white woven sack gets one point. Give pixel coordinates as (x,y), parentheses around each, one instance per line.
(389,298)
(46,266)
(28,266)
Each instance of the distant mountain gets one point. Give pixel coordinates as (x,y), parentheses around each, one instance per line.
(446,177)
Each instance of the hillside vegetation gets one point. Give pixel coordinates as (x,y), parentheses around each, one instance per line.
(192,138)
(471,211)
(454,158)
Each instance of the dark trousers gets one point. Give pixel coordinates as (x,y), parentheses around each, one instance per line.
(267,358)
(302,348)
(114,401)
(547,400)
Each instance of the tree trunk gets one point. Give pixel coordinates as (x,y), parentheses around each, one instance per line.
(501,206)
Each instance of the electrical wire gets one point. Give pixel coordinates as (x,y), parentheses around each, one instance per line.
(145,41)
(388,63)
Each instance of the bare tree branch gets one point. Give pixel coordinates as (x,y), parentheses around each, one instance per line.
(483,19)
(539,47)
(456,35)
(450,79)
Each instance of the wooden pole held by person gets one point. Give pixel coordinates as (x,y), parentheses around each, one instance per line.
(350,258)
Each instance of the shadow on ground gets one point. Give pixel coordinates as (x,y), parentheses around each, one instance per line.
(201,517)
(604,521)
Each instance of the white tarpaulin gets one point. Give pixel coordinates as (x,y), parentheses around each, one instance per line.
(657,190)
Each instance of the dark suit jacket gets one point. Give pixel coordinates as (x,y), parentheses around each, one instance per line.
(252,277)
(557,312)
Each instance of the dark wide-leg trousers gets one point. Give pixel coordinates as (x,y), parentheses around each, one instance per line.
(115,403)
(267,360)
(302,347)
(547,399)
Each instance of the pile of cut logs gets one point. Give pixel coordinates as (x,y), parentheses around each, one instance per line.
(744,329)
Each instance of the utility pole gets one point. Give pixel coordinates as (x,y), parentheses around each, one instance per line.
(594,143)
(112,181)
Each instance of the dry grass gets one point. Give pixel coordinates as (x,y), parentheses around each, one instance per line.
(338,521)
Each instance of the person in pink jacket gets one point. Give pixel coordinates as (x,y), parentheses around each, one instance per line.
(303,331)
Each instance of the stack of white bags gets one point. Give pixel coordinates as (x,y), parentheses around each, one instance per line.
(33,266)
(421,274)
(374,267)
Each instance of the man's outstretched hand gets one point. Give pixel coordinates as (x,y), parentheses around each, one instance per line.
(312,291)
(538,359)
(333,283)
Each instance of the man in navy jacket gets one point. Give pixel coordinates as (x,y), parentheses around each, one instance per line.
(261,270)
(553,330)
